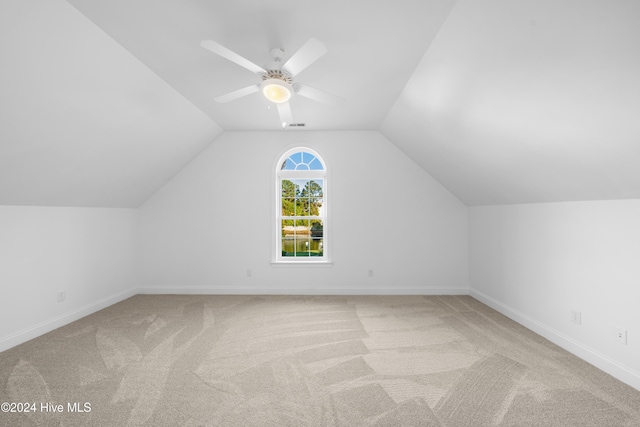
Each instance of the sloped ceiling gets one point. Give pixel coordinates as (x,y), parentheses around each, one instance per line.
(528,101)
(82,121)
(501,101)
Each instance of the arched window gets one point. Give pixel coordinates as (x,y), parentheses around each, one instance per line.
(301,206)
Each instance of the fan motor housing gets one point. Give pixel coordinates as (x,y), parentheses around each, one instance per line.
(278,74)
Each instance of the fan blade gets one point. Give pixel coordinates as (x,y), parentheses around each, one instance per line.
(320,96)
(237,94)
(284,110)
(305,56)
(231,56)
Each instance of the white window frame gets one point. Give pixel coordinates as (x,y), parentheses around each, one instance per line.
(280,175)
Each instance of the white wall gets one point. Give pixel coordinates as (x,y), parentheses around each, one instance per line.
(86,252)
(213,221)
(538,262)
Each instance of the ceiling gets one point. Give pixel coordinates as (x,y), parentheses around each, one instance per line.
(82,121)
(373,47)
(528,101)
(502,102)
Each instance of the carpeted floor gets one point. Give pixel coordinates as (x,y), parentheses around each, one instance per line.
(305,361)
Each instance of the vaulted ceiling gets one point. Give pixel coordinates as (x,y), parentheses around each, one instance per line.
(528,101)
(502,102)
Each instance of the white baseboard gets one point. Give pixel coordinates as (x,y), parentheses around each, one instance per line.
(55,323)
(304,291)
(602,362)
(613,368)
(35,331)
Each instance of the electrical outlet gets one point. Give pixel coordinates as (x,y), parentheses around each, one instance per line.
(62,295)
(370,273)
(621,335)
(249,273)
(576,317)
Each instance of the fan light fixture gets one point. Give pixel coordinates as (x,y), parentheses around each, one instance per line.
(276,90)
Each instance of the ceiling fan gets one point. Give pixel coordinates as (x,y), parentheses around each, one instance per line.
(277,78)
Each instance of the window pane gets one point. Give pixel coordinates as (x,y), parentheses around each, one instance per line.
(315,188)
(315,165)
(302,207)
(288,228)
(299,185)
(288,165)
(316,207)
(317,229)
(303,238)
(296,158)
(288,237)
(310,188)
(287,246)
(302,161)
(288,207)
(288,188)
(302,245)
(316,247)
(317,240)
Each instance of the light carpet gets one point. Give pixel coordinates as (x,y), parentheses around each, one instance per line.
(204,360)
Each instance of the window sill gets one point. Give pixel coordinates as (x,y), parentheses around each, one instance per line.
(290,264)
